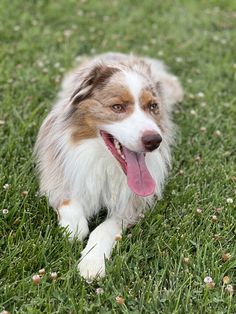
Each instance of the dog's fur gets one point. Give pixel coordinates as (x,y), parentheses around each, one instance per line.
(78,173)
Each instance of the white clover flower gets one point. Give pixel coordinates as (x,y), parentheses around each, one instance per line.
(226,280)
(214,218)
(99,291)
(6,186)
(179,59)
(5,312)
(229,288)
(200,95)
(120,300)
(217,133)
(53,275)
(16,28)
(208,279)
(42,272)
(36,279)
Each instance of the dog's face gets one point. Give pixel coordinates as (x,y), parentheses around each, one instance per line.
(124,107)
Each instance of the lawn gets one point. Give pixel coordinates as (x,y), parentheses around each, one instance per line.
(160,265)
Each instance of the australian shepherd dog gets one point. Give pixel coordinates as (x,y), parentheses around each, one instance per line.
(106,144)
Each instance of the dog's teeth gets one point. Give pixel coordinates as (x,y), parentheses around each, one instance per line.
(117,145)
(118,148)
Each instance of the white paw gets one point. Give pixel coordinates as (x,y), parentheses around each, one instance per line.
(77,230)
(91,266)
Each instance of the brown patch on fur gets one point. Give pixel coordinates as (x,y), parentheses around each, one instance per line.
(113,94)
(97,110)
(97,78)
(84,131)
(146,99)
(65,203)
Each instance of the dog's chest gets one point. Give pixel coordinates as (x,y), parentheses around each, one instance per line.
(95,176)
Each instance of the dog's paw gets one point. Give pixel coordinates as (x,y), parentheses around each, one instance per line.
(91,267)
(78,230)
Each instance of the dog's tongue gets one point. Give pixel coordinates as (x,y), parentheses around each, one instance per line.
(139,178)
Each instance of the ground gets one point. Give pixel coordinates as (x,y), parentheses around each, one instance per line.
(160,265)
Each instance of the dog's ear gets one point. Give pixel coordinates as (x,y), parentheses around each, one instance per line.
(90,79)
(170,89)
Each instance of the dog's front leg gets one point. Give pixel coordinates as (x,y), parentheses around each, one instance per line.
(99,247)
(72,216)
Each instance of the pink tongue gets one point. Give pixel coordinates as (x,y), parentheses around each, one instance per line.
(138,176)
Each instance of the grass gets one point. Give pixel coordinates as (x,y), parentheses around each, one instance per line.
(39,42)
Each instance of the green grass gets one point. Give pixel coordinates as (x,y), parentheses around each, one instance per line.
(39,42)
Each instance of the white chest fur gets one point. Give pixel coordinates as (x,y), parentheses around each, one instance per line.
(97,180)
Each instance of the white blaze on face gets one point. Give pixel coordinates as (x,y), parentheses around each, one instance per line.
(130,130)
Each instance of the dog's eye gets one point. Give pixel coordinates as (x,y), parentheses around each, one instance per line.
(118,108)
(154,107)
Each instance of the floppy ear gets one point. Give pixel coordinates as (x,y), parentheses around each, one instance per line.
(89,79)
(167,85)
(170,89)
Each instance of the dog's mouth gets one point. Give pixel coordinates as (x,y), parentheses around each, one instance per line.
(133,164)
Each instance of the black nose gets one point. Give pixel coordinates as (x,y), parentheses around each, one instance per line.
(151,140)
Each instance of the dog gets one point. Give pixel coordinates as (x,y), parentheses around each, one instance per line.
(107,144)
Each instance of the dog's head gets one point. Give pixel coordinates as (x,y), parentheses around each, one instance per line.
(123,105)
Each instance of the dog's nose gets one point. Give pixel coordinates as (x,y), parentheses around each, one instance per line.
(151,140)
